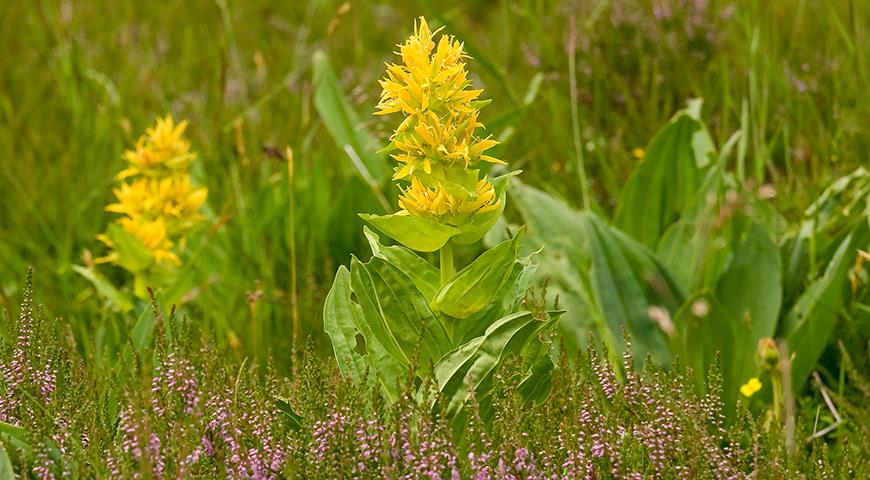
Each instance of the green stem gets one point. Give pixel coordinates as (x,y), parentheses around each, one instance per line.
(447,268)
(777,395)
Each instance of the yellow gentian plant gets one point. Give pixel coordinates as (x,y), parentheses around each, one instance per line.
(451,329)
(158,204)
(444,198)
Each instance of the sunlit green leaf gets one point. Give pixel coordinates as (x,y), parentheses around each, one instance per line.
(424,275)
(474,287)
(417,233)
(340,319)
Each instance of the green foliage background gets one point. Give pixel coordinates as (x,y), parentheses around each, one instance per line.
(80,80)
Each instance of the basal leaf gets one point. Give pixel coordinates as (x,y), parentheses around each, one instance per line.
(751,286)
(675,165)
(605,280)
(703,328)
(809,324)
(340,319)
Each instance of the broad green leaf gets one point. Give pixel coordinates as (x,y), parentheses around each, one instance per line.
(750,288)
(462,371)
(397,313)
(417,233)
(117,300)
(343,320)
(691,248)
(508,299)
(605,280)
(474,287)
(340,319)
(15,436)
(132,254)
(424,275)
(343,123)
(6,470)
(704,328)
(810,322)
(743,310)
(536,385)
(675,165)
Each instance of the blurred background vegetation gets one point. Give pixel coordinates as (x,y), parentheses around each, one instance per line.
(573,83)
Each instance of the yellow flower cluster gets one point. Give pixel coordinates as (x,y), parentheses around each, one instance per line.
(436,145)
(159,203)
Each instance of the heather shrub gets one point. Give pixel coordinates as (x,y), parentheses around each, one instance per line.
(183,411)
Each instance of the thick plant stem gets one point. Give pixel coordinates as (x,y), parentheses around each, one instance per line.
(447,268)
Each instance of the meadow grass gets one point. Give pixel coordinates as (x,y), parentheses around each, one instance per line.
(578,88)
(81,80)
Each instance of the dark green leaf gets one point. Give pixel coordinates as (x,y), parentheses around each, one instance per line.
(397,314)
(463,370)
(673,169)
(809,324)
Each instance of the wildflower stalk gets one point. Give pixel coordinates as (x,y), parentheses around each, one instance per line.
(294,297)
(403,307)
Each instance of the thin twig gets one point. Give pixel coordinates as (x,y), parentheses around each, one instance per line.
(833,409)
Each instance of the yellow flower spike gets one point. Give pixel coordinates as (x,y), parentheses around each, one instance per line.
(156,197)
(751,387)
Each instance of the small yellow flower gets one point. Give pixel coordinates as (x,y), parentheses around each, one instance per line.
(751,387)
(639,153)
